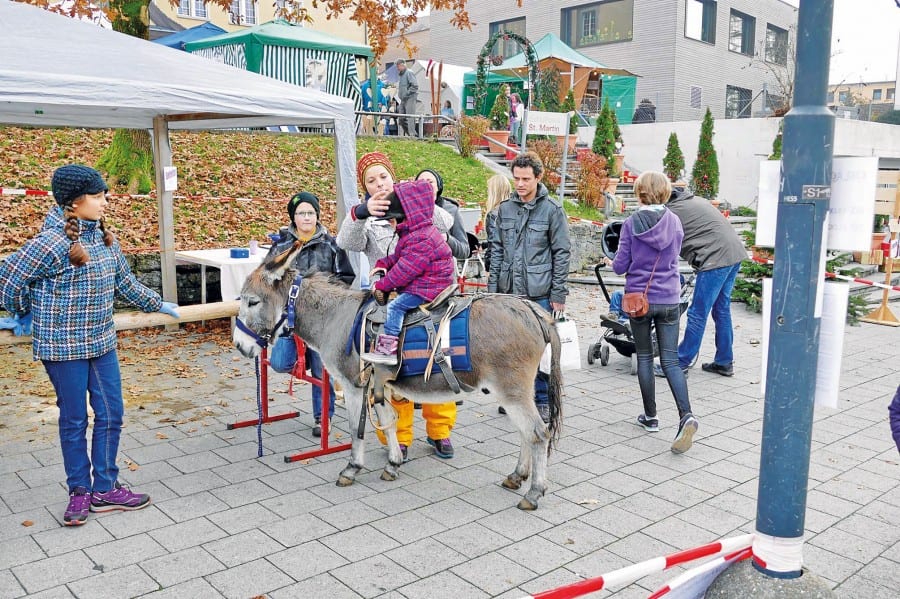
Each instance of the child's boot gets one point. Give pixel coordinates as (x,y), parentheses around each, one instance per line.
(385,351)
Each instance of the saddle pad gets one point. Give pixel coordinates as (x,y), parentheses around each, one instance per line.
(415,350)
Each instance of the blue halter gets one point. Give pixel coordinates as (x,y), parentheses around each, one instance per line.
(289,315)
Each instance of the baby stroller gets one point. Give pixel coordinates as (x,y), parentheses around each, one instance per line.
(618,334)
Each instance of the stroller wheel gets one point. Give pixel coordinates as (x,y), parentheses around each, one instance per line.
(604,355)
(634,363)
(592,353)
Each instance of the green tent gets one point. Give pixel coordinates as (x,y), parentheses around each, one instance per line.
(290,53)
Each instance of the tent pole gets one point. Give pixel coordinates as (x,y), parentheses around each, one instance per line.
(162,157)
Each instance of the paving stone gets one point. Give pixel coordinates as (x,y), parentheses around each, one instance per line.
(19,501)
(196,588)
(242,471)
(188,484)
(155,471)
(9,586)
(191,506)
(152,453)
(323,585)
(407,527)
(309,559)
(249,580)
(171,569)
(60,592)
(196,462)
(473,539)
(126,524)
(19,550)
(131,550)
(299,529)
(360,542)
(443,585)
(243,493)
(373,576)
(126,582)
(52,571)
(638,547)
(60,540)
(243,518)
(860,587)
(46,475)
(426,557)
(243,547)
(493,573)
(187,534)
(616,521)
(348,515)
(293,504)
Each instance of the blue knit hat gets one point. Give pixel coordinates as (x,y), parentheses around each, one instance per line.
(72,181)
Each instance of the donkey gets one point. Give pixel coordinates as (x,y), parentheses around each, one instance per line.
(506,341)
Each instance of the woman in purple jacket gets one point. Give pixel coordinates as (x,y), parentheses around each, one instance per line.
(648,252)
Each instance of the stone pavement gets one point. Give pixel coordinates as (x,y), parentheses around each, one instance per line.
(226,524)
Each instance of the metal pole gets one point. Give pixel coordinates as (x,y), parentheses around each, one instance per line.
(794,328)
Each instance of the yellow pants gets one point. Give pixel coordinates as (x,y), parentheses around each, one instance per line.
(439,421)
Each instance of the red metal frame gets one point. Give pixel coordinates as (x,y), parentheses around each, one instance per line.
(264,397)
(299,373)
(461,279)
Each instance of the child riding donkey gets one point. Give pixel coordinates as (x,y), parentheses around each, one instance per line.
(420,267)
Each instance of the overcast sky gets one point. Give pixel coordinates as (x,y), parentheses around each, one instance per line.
(864,40)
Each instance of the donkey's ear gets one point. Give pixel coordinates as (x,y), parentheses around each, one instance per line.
(281,263)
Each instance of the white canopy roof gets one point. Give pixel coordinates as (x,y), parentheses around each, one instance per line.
(60,72)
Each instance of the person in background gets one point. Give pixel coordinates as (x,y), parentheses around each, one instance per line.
(391,127)
(365,230)
(447,110)
(516,111)
(499,190)
(647,255)
(456,237)
(408,92)
(894,411)
(530,251)
(644,113)
(66,279)
(715,251)
(320,253)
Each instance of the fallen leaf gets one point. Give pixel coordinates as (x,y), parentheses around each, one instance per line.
(162,436)
(588,502)
(27,523)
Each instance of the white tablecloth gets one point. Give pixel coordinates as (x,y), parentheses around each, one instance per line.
(233,270)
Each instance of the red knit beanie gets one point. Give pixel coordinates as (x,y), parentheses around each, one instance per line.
(369,160)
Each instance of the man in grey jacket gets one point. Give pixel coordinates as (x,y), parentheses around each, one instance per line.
(530,249)
(408,92)
(715,251)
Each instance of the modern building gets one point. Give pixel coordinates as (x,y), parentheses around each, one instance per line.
(735,56)
(418,37)
(865,100)
(243,14)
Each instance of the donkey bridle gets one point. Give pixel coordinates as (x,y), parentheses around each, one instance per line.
(289,314)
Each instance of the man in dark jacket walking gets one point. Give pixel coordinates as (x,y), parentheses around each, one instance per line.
(530,249)
(715,251)
(644,113)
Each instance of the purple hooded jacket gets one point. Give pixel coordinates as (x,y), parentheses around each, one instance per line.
(894,410)
(422,263)
(645,235)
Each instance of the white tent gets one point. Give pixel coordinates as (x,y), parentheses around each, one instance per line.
(59,72)
(451,83)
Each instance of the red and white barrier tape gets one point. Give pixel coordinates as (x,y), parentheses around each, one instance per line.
(689,575)
(629,574)
(586,221)
(8,191)
(831,275)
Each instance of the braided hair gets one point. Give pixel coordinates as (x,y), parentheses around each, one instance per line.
(78,255)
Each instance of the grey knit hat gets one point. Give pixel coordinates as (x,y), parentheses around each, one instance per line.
(72,181)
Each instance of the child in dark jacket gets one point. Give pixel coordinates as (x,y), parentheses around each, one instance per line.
(419,269)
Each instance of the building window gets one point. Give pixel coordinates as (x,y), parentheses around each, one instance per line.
(876,95)
(598,23)
(700,20)
(776,45)
(192,8)
(890,93)
(243,12)
(507,48)
(696,96)
(737,102)
(741,33)
(842,97)
(775,102)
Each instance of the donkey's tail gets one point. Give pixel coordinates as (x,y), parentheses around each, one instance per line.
(554,391)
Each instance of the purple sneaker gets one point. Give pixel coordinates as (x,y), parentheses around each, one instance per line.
(442,447)
(78,508)
(119,498)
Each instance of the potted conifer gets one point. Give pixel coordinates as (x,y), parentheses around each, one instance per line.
(499,117)
(705,174)
(605,145)
(673,162)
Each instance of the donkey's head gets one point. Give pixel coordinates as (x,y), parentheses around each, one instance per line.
(263,300)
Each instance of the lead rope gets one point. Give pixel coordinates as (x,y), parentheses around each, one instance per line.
(259,422)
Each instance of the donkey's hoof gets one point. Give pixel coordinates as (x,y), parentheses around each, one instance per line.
(526,505)
(385,475)
(511,482)
(345,481)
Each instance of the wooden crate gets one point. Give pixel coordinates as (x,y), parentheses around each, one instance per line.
(870,257)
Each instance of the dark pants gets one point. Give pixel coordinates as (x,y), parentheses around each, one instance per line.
(76,382)
(542,381)
(665,318)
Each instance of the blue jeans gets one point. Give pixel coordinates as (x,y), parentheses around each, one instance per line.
(76,381)
(665,318)
(314,363)
(542,381)
(397,309)
(712,293)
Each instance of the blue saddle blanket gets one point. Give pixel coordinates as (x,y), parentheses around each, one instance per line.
(415,350)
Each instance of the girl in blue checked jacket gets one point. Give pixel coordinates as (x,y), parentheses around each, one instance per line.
(66,278)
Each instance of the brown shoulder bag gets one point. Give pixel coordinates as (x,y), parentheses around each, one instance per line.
(635,303)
